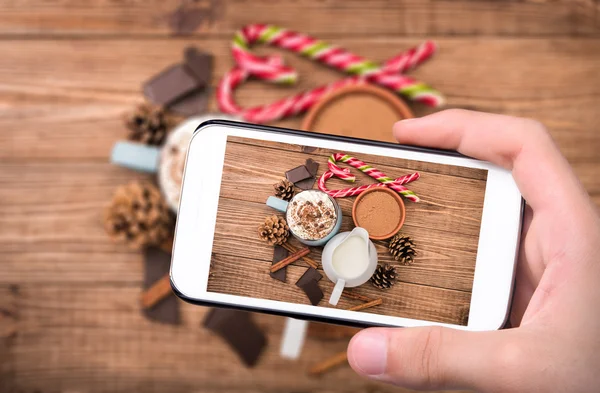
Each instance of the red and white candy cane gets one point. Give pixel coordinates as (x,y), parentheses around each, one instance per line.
(382,178)
(272,69)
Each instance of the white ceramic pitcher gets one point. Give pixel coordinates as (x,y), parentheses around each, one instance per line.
(349,269)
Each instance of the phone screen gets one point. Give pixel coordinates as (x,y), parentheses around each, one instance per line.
(427,274)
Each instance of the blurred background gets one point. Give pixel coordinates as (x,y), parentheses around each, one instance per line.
(71,76)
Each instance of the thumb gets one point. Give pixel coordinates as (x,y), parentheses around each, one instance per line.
(428,358)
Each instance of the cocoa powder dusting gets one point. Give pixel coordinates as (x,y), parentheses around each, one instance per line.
(378,213)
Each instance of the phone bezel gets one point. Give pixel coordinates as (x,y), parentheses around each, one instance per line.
(498,320)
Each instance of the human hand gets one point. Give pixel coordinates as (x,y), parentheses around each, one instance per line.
(554,345)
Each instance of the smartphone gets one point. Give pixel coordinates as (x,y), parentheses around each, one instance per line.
(465,229)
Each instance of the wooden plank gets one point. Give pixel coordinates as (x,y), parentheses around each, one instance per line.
(249,278)
(447,200)
(353,17)
(94,338)
(240,261)
(445,260)
(48,106)
(407,165)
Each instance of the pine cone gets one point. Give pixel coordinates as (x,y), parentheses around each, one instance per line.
(402,249)
(148,124)
(384,277)
(274,231)
(139,216)
(284,190)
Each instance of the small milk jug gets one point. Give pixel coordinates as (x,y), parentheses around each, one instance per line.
(349,260)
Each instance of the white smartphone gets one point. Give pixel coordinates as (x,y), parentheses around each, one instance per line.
(465,229)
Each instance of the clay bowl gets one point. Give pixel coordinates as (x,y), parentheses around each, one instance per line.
(361,111)
(383,213)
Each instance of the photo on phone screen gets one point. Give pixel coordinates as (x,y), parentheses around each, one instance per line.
(444,227)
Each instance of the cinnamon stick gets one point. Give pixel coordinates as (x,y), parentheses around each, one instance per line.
(158,291)
(290,259)
(311,262)
(353,295)
(327,364)
(370,304)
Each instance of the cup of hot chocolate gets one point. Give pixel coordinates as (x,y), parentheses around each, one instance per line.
(313,216)
(167,161)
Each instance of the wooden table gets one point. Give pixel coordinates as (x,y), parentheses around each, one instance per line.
(69,315)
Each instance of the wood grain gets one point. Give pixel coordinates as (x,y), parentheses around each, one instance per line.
(46,106)
(97,339)
(250,169)
(70,69)
(352,17)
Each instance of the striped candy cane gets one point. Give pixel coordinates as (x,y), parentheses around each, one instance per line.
(272,69)
(382,178)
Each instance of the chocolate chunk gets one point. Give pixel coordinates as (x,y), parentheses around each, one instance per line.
(170,85)
(239,331)
(308,149)
(311,274)
(306,184)
(199,64)
(312,166)
(194,103)
(313,291)
(279,254)
(297,174)
(156,264)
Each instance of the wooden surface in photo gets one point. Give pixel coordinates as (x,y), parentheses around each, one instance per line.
(444,224)
(69,314)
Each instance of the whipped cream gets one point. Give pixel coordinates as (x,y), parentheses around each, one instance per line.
(311,215)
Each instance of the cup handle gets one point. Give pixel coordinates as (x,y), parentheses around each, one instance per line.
(277,204)
(135,156)
(337,292)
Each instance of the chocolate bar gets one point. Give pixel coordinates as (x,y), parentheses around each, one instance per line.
(239,331)
(157,264)
(170,85)
(192,104)
(200,65)
(313,291)
(297,174)
(312,166)
(309,284)
(279,254)
(311,274)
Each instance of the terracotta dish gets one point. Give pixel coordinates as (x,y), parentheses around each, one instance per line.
(380,211)
(363,111)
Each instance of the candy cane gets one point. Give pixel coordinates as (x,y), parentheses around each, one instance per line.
(382,178)
(273,70)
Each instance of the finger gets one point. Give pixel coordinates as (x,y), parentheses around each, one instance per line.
(521,145)
(427,358)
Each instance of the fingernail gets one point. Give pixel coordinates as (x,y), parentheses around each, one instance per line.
(369,350)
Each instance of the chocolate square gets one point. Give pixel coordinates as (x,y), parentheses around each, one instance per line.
(313,291)
(297,174)
(306,184)
(279,254)
(239,331)
(170,85)
(199,64)
(156,264)
(311,274)
(194,103)
(312,166)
